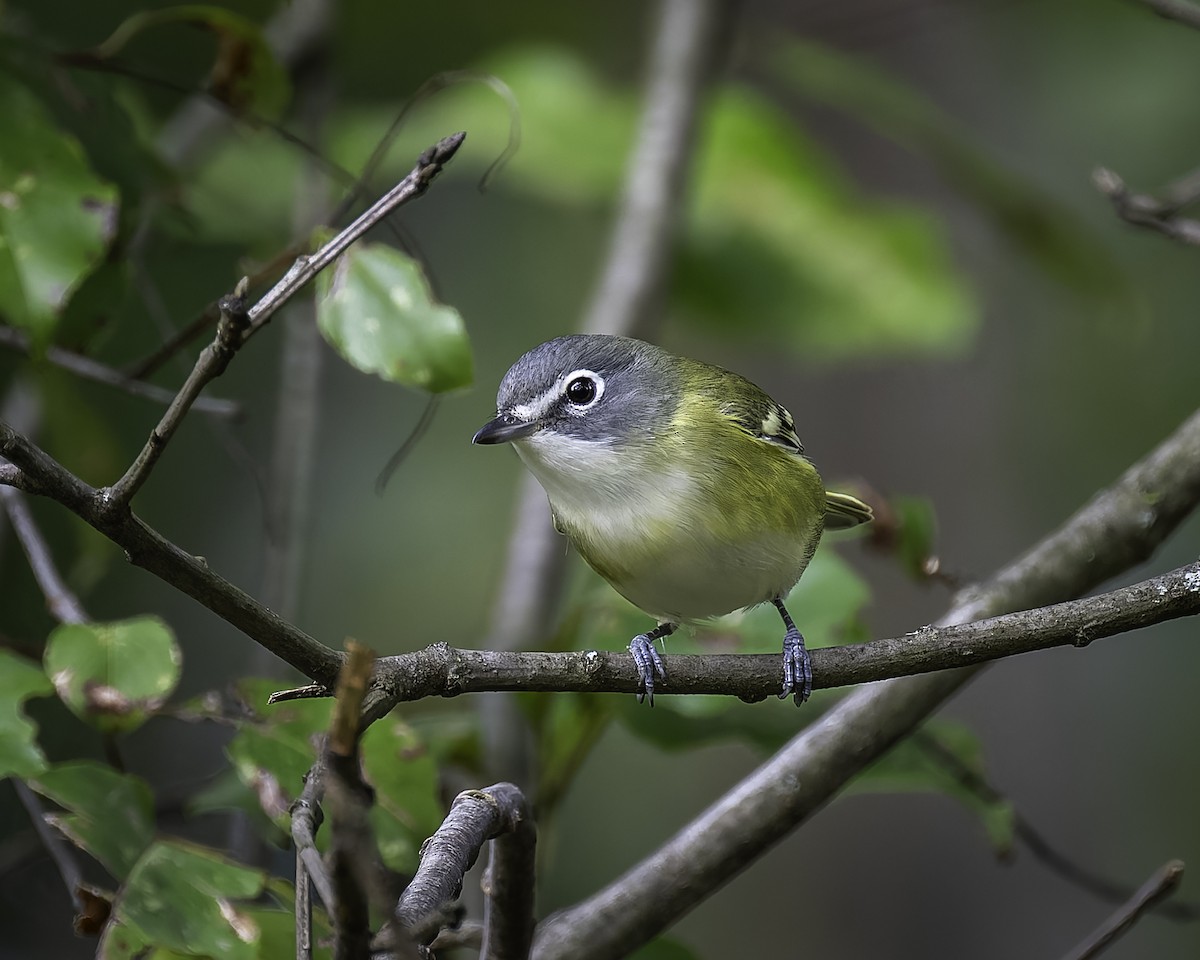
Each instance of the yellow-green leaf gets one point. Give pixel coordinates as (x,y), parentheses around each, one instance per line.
(113,675)
(376,309)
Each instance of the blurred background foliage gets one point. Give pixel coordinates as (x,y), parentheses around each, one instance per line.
(890,226)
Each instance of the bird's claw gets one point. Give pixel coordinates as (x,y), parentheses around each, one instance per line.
(797,668)
(649,663)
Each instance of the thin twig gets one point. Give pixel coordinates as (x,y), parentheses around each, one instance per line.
(1119,528)
(1042,850)
(467,935)
(687,36)
(304,927)
(1144,210)
(211,364)
(306,818)
(64,606)
(60,852)
(1158,887)
(93,370)
(237,324)
(428,166)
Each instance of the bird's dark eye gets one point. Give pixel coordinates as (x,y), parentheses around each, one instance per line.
(581,391)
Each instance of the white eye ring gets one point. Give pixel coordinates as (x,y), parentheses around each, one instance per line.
(587,377)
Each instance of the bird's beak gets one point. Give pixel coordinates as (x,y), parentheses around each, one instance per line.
(504,428)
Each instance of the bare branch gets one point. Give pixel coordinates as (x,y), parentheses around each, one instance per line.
(508,887)
(304,927)
(60,852)
(90,369)
(352,848)
(1144,210)
(1041,848)
(64,606)
(11,476)
(1164,882)
(211,364)
(1181,11)
(475,817)
(306,818)
(428,166)
(444,671)
(641,245)
(146,548)
(1118,528)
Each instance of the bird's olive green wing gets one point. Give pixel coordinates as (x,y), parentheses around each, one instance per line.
(761,417)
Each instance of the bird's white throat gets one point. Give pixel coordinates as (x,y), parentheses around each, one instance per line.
(612,492)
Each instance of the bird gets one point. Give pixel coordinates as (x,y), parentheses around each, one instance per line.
(682,484)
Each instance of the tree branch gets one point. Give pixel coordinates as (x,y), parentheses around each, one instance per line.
(146,548)
(475,817)
(1164,882)
(212,362)
(443,671)
(60,852)
(306,818)
(64,606)
(1119,527)
(352,848)
(93,370)
(1144,210)
(508,887)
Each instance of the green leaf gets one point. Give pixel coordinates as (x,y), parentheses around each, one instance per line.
(20,679)
(376,309)
(179,897)
(1031,220)
(779,246)
(915,530)
(575,131)
(114,675)
(111,814)
(405,777)
(781,249)
(272,755)
(245,74)
(56,216)
(943,757)
(277,933)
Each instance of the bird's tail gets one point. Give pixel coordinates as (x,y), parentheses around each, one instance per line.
(843,511)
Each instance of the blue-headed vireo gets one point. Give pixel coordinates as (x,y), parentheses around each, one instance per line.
(682,484)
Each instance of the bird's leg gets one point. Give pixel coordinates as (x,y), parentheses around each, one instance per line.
(647,659)
(797,665)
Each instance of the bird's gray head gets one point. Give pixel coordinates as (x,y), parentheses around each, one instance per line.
(588,387)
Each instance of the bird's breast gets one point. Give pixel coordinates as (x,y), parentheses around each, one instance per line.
(662,538)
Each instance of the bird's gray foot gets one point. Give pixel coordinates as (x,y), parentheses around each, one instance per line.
(647,660)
